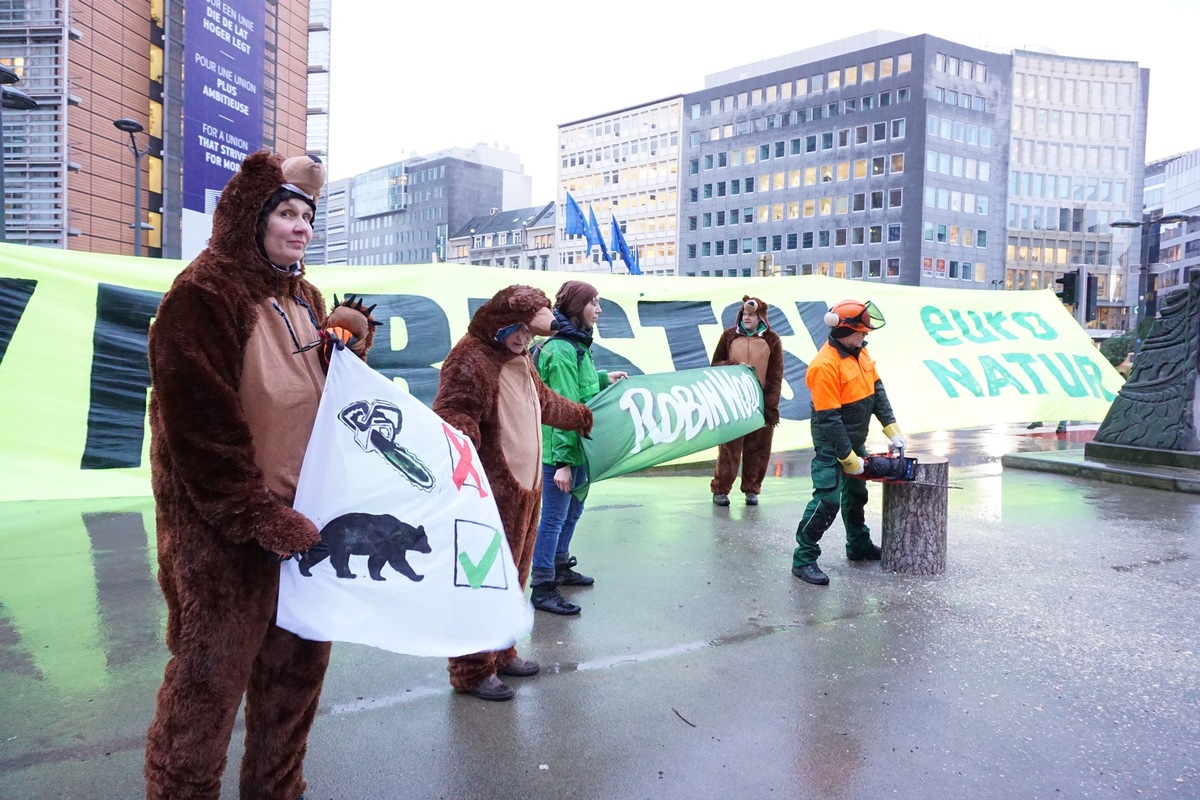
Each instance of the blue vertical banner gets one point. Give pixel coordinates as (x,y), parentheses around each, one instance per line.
(577,224)
(596,237)
(223,51)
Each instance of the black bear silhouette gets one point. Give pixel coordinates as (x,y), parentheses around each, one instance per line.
(382,538)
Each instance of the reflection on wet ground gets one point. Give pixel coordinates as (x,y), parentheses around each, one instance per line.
(1055,657)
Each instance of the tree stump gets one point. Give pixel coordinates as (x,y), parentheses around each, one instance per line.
(914,520)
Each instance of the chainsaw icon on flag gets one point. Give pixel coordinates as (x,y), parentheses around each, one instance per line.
(375,427)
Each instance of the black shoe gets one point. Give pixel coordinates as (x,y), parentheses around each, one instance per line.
(565,576)
(811,573)
(493,689)
(519,668)
(1033,425)
(720,500)
(1062,428)
(751,499)
(546,598)
(873,553)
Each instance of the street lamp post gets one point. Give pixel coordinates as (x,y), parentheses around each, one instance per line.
(18,100)
(1151,229)
(132,126)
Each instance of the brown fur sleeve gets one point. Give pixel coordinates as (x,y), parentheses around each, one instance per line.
(720,356)
(195,373)
(558,411)
(774,379)
(467,387)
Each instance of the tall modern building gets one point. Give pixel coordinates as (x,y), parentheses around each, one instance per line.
(1172,249)
(207,83)
(317,131)
(404,213)
(623,166)
(828,162)
(1077,152)
(905,159)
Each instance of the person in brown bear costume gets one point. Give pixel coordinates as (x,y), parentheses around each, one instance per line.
(751,341)
(237,357)
(489,390)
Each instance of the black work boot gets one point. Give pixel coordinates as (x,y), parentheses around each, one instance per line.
(545,597)
(565,576)
(811,573)
(870,553)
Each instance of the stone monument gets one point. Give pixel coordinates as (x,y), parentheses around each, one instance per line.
(1152,421)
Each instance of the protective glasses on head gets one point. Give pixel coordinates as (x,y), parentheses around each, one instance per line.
(856,316)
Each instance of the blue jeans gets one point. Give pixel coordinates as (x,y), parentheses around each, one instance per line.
(560,512)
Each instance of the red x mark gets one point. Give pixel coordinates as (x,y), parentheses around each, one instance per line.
(466,461)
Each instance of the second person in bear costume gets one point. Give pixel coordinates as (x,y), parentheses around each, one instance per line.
(489,390)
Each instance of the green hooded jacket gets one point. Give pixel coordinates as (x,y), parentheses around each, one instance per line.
(571,372)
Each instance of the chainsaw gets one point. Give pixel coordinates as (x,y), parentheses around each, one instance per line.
(892,468)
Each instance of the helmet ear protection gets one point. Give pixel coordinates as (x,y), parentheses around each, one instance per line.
(854,315)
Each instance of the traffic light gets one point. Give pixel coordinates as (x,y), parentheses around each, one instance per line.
(1068,282)
(1089,307)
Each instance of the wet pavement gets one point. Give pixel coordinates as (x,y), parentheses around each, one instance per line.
(1057,657)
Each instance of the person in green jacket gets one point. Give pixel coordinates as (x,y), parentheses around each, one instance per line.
(565,365)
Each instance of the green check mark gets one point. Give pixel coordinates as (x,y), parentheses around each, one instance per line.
(477,572)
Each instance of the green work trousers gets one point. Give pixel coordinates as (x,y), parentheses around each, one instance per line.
(833,490)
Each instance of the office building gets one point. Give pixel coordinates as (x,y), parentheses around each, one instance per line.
(404,213)
(624,166)
(1077,155)
(1172,190)
(317,123)
(69,173)
(903,159)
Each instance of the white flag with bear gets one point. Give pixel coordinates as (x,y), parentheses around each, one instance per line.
(413,556)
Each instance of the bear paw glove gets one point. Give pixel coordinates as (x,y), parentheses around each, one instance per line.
(349,315)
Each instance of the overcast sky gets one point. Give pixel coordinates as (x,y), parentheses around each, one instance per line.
(418,77)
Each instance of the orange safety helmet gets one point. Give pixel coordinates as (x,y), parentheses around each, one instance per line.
(856,316)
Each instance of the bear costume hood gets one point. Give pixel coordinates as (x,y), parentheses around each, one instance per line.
(234,242)
(514,305)
(756,305)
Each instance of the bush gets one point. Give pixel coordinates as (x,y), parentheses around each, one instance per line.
(1115,348)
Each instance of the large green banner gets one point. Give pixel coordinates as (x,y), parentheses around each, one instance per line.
(74,381)
(648,420)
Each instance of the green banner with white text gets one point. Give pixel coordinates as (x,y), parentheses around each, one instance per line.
(74,381)
(648,420)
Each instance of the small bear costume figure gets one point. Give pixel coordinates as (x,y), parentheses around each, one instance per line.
(489,390)
(751,341)
(237,363)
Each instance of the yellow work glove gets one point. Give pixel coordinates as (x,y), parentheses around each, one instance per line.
(851,464)
(895,436)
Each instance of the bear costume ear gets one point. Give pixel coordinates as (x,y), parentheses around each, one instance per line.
(306,174)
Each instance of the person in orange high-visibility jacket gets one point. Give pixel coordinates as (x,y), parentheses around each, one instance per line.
(846,393)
